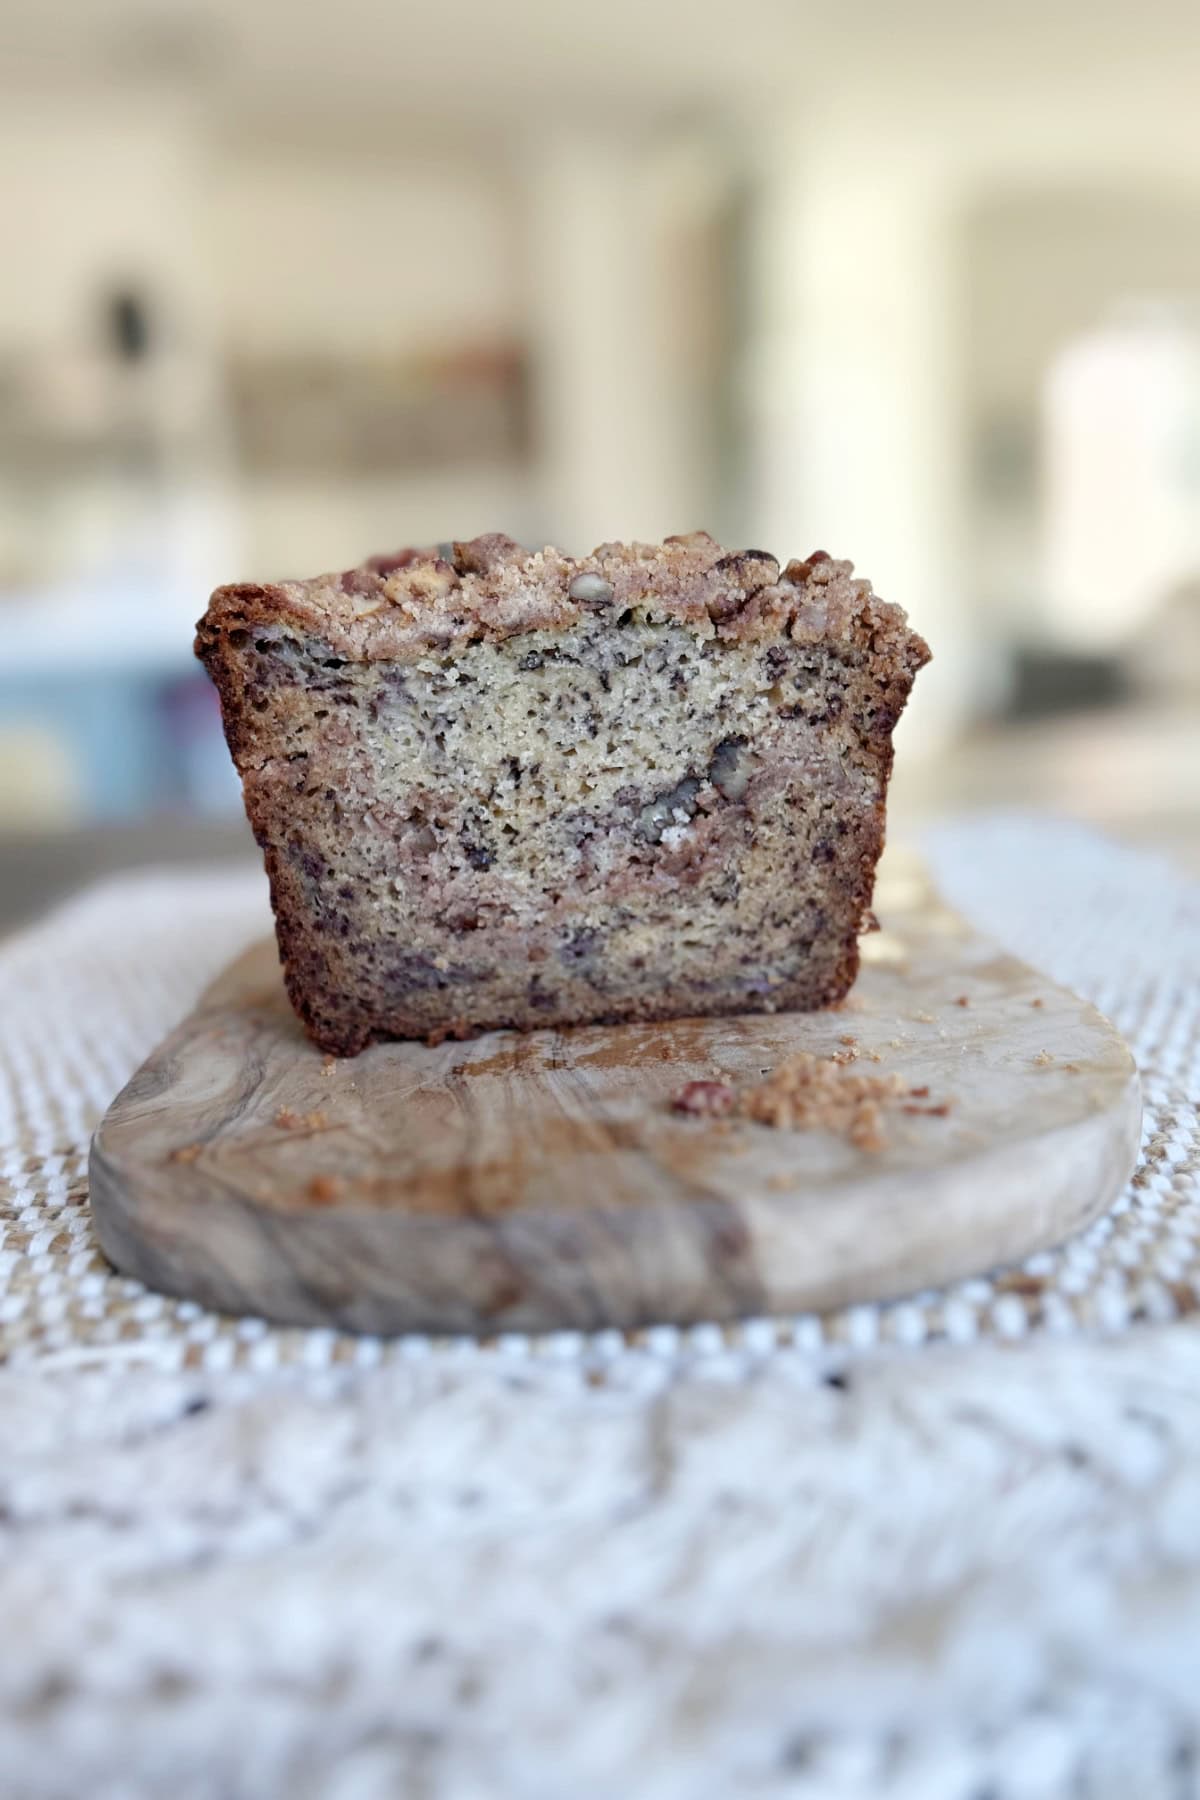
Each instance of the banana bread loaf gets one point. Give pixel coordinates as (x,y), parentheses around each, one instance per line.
(497,788)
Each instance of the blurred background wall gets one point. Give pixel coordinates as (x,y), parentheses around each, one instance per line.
(917,283)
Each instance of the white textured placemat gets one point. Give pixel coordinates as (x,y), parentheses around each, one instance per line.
(890,1552)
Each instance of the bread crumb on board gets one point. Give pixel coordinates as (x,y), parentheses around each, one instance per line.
(325,1189)
(1046,1060)
(1019,1281)
(707,1099)
(811,1093)
(288,1120)
(962,999)
(186,1153)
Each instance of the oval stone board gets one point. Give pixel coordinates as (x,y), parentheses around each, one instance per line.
(527,1182)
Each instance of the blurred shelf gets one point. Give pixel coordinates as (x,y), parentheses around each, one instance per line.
(126,629)
(1133,771)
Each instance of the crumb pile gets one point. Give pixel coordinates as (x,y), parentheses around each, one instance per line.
(288,1120)
(813,1093)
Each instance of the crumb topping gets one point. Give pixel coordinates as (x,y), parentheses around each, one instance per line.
(813,1093)
(402,606)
